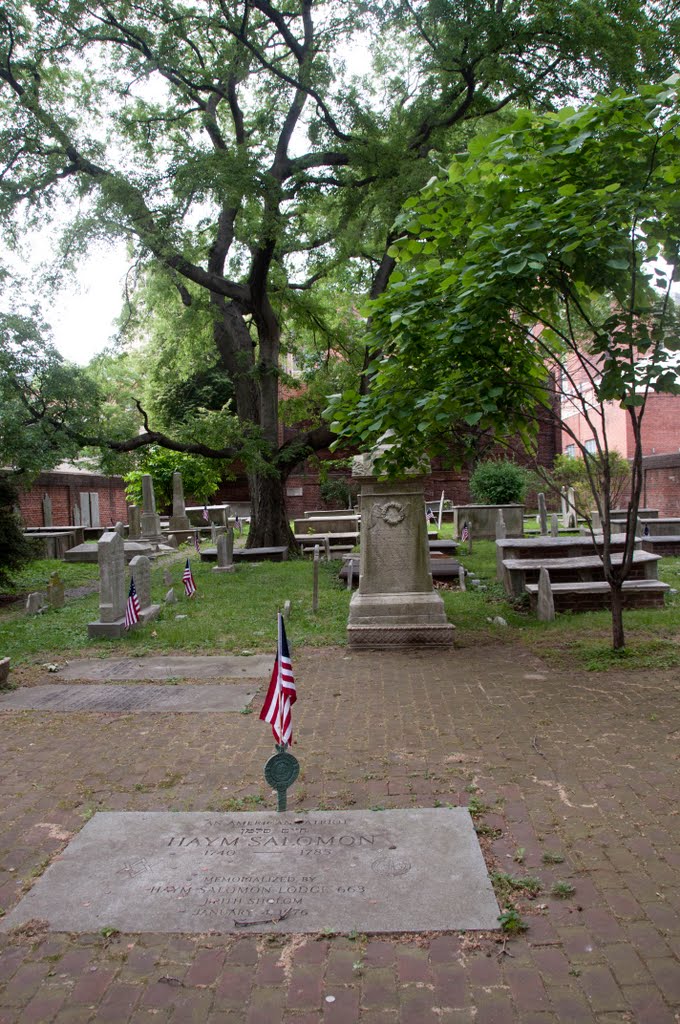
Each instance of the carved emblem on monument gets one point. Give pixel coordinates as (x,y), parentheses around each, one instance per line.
(390,867)
(392,512)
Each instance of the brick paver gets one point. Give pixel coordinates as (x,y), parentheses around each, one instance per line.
(570,765)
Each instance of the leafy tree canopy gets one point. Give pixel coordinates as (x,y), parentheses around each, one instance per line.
(534,225)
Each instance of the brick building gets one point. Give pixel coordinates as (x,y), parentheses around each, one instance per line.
(70,488)
(660,436)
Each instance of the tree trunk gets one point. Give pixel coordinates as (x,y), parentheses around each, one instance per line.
(269,526)
(618,639)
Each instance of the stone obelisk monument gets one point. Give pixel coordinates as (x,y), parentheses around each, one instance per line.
(179,520)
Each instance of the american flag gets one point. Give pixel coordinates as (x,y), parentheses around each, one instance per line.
(237,523)
(465,532)
(430,516)
(188,580)
(132,608)
(206,514)
(281,694)
(197,542)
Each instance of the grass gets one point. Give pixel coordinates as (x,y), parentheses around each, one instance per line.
(236,613)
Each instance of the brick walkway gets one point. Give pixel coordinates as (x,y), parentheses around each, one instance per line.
(585,766)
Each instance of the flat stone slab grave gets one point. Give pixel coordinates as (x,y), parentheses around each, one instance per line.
(110,697)
(170,667)
(373,871)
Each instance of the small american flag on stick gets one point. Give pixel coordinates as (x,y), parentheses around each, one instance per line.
(206,514)
(188,580)
(132,608)
(465,532)
(281,694)
(197,542)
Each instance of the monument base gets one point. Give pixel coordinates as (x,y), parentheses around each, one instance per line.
(179,523)
(151,611)
(398,620)
(223,568)
(114,630)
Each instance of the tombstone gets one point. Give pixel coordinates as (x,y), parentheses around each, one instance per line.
(461,577)
(167,577)
(545,610)
(501,528)
(554,525)
(47,510)
(501,534)
(171,597)
(35,603)
(134,528)
(140,569)
(120,529)
(225,552)
(350,573)
(571,508)
(542,514)
(564,508)
(56,597)
(172,541)
(94,509)
(112,590)
(85,509)
(286,610)
(77,518)
(4,672)
(150,520)
(179,520)
(215,532)
(315,580)
(327,548)
(395,605)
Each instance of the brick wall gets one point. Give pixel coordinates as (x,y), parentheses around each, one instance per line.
(64,491)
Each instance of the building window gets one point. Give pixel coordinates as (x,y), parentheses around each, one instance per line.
(571,450)
(590,446)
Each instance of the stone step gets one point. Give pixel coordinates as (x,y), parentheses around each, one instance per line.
(596,595)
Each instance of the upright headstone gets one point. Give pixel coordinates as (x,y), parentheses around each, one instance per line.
(179,520)
(461,577)
(85,509)
(171,597)
(94,509)
(35,603)
(56,597)
(47,510)
(150,520)
(554,525)
(546,606)
(120,529)
(112,592)
(501,534)
(172,541)
(225,552)
(441,512)
(134,526)
(571,505)
(167,577)
(315,580)
(564,508)
(140,570)
(395,605)
(327,548)
(286,610)
(542,514)
(77,518)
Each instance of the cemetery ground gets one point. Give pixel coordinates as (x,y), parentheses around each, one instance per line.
(566,756)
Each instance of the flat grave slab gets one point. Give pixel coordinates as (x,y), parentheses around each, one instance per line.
(108,697)
(171,667)
(373,871)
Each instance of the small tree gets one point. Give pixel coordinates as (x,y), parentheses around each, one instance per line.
(499,482)
(15,549)
(560,222)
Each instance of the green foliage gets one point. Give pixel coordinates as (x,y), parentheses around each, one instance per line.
(587,476)
(200,477)
(15,550)
(336,493)
(562,890)
(498,482)
(512,922)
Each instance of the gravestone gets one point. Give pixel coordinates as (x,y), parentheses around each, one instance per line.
(56,597)
(542,514)
(4,672)
(35,603)
(85,509)
(134,525)
(554,525)
(179,520)
(215,532)
(501,534)
(140,569)
(414,870)
(461,577)
(77,518)
(315,580)
(184,666)
(171,597)
(120,529)
(47,510)
(172,541)
(545,610)
(571,508)
(62,697)
(225,552)
(150,520)
(395,604)
(94,509)
(112,592)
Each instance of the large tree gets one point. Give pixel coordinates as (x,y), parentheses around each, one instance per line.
(230,144)
(543,265)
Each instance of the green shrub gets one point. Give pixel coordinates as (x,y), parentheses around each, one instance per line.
(499,482)
(336,493)
(15,550)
